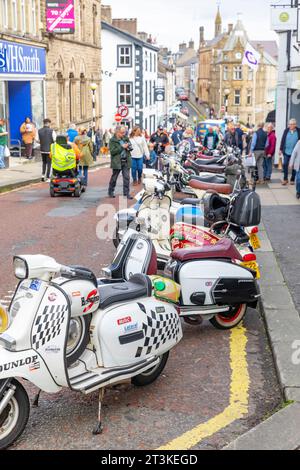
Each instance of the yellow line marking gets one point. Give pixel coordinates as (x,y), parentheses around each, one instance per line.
(239,397)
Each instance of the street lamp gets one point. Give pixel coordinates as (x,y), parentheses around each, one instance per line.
(227,93)
(94,87)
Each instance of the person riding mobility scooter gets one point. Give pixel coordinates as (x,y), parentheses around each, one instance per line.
(65,158)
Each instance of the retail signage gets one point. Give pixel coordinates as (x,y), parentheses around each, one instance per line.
(21,59)
(60,16)
(159,94)
(284,18)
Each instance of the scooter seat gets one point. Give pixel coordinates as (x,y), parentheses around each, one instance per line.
(191,202)
(224,249)
(206,161)
(215,179)
(139,286)
(219,188)
(217,169)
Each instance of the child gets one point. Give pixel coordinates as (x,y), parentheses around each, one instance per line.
(153,157)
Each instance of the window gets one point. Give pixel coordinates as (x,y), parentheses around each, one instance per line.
(249,97)
(82,96)
(146,93)
(146,61)
(14,15)
(60,99)
(238,73)
(250,74)
(4,14)
(33,17)
(237,97)
(95,18)
(72,97)
(155,62)
(150,62)
(225,73)
(23,17)
(125,56)
(125,94)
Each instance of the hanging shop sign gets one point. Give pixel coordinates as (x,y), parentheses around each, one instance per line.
(21,59)
(60,16)
(159,94)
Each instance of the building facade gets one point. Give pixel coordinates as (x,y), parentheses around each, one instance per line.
(186,60)
(251,95)
(22,64)
(73,64)
(130,67)
(166,81)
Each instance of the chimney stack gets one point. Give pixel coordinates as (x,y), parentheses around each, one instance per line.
(182,47)
(126,24)
(106,13)
(230,28)
(191,44)
(202,40)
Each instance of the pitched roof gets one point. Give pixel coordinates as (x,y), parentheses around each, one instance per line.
(127,35)
(238,34)
(187,58)
(270,47)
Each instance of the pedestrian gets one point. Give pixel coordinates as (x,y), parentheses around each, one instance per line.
(119,147)
(152,162)
(258,147)
(294,165)
(160,140)
(177,135)
(98,140)
(231,138)
(72,132)
(188,136)
(288,142)
(269,152)
(85,146)
(211,139)
(249,138)
(139,153)
(3,143)
(240,137)
(47,137)
(106,138)
(219,134)
(28,132)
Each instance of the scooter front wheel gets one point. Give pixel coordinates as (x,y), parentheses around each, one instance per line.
(231,319)
(14,417)
(148,377)
(78,338)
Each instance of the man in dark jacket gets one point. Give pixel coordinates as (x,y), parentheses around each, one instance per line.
(231,138)
(160,140)
(211,139)
(47,137)
(258,148)
(289,141)
(119,146)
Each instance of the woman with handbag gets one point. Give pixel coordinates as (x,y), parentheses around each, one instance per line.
(3,143)
(139,151)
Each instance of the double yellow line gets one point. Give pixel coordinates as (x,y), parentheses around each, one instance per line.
(239,397)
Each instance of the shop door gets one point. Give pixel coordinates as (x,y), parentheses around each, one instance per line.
(19,99)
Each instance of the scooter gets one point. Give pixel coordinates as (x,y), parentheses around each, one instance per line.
(128,335)
(212,282)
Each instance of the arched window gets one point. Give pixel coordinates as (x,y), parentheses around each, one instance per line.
(60,100)
(72,97)
(82,96)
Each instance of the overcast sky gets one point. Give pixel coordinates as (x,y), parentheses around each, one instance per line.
(174,21)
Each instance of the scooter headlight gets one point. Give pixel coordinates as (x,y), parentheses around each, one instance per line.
(4,319)
(20,268)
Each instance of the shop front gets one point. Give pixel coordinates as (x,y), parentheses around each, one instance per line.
(22,85)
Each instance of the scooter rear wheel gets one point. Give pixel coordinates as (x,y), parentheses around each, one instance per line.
(230,320)
(14,418)
(148,377)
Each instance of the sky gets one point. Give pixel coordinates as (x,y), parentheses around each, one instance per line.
(175,21)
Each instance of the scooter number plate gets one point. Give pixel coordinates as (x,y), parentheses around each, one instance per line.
(255,241)
(254,267)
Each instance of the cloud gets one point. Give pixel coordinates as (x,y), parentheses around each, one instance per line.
(174,21)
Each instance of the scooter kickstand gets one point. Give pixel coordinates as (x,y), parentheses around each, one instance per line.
(98,429)
(36,399)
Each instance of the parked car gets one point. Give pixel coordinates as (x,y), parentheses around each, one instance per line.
(183,97)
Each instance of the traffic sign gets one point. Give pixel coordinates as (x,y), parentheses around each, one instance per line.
(123,111)
(118,117)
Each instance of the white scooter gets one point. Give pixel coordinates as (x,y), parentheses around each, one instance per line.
(127,334)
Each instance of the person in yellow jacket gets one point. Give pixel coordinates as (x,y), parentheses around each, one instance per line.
(64,156)
(29,135)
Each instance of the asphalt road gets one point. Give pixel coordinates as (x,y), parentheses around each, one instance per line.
(197,384)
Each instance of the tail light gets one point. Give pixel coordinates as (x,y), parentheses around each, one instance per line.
(249,257)
(255,230)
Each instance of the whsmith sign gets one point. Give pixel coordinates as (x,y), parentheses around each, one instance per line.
(20,59)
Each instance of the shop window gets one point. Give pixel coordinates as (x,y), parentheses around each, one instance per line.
(2,100)
(72,97)
(37,100)
(82,96)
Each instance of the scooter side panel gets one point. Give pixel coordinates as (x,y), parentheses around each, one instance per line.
(202,276)
(131,332)
(28,365)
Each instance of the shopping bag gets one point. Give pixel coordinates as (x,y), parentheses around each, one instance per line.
(250,161)
(6,152)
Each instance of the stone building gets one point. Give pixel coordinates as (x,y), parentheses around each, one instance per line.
(73,64)
(251,96)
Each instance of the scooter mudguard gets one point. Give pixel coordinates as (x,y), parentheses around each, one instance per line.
(132,332)
(27,365)
(39,329)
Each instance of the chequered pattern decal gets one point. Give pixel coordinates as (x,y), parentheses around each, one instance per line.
(47,325)
(158,329)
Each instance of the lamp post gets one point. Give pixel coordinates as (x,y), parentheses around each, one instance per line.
(94,87)
(227,93)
